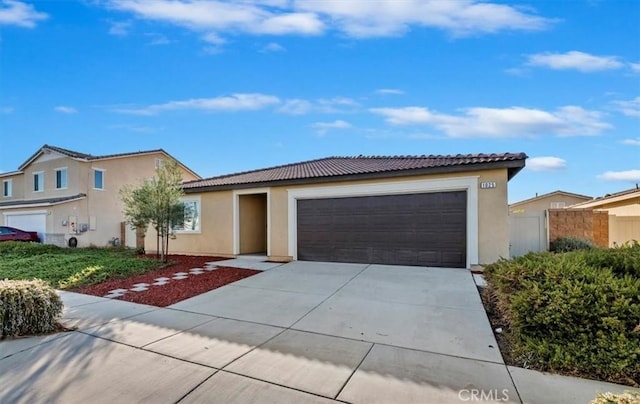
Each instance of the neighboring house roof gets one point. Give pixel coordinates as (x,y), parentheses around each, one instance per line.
(609,198)
(31,203)
(90,157)
(358,168)
(554,193)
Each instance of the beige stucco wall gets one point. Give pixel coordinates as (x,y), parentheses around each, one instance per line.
(544,203)
(17,189)
(104,205)
(217,208)
(216,229)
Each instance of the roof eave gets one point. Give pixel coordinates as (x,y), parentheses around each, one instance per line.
(42,204)
(513,167)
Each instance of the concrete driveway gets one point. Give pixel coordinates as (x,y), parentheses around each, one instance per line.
(300,332)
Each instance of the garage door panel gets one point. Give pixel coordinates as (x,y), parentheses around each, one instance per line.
(416,229)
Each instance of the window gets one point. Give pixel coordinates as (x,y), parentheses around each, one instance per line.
(61,178)
(191,218)
(6,188)
(159,163)
(98,179)
(558,205)
(38,182)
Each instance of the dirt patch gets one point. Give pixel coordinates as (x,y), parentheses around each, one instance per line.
(174,290)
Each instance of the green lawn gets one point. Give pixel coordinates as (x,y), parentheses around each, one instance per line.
(65,268)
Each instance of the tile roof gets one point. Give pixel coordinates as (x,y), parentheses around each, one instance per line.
(91,157)
(360,165)
(558,192)
(621,195)
(45,201)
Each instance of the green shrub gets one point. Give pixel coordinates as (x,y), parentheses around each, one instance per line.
(565,244)
(628,397)
(624,259)
(28,307)
(22,249)
(572,313)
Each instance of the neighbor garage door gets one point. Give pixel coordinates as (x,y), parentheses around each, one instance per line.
(28,222)
(415,229)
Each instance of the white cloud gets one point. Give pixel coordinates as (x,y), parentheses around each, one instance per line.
(355,18)
(333,105)
(546,163)
(389,91)
(231,103)
(574,60)
(365,18)
(273,47)
(157,39)
(323,127)
(243,17)
(65,109)
(628,108)
(635,67)
(632,142)
(21,14)
(501,122)
(6,110)
(628,176)
(119,28)
(296,107)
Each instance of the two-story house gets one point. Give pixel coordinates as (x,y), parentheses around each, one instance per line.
(72,198)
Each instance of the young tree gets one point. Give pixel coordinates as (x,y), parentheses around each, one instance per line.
(157,202)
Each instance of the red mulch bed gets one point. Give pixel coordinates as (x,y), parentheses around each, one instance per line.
(175,290)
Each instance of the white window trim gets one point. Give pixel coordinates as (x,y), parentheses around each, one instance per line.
(469,184)
(67,177)
(93,179)
(43,179)
(9,188)
(236,216)
(196,198)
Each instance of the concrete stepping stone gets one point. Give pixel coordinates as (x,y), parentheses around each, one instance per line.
(160,283)
(139,289)
(179,277)
(196,271)
(137,285)
(181,273)
(162,279)
(212,268)
(113,295)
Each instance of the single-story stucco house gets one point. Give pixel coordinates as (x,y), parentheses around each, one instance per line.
(448,211)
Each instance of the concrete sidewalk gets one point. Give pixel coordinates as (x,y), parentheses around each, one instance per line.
(300,332)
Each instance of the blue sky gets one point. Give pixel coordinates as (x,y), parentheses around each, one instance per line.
(233,86)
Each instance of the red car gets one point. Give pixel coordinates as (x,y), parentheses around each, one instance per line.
(13,234)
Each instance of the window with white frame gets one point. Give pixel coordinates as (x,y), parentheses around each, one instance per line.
(558,205)
(38,181)
(159,163)
(61,178)
(190,222)
(7,186)
(98,178)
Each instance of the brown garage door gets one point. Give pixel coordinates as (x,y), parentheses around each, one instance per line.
(414,229)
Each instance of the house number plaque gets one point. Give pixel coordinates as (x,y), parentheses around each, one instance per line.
(488,185)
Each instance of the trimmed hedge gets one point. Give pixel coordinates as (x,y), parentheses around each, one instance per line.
(628,397)
(566,244)
(28,307)
(575,313)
